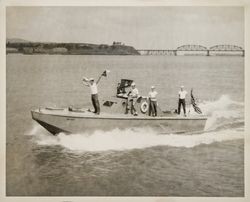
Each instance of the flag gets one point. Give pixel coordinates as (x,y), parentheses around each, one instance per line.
(196,108)
(105,73)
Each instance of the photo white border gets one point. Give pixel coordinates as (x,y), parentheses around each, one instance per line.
(5,3)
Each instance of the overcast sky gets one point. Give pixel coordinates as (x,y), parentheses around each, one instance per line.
(141,27)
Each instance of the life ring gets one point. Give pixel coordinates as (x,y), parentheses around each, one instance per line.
(144,107)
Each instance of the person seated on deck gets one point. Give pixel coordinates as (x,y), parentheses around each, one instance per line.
(152,102)
(132,98)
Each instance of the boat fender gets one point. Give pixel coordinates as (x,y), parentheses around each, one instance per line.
(144,107)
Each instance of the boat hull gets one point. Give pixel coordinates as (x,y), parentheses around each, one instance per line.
(57,121)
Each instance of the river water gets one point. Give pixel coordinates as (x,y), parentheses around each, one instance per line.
(125,163)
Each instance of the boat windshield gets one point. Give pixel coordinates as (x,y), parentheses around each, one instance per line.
(121,88)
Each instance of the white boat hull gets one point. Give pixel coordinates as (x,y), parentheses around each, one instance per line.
(63,120)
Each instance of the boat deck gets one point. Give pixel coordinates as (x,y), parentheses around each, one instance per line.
(84,113)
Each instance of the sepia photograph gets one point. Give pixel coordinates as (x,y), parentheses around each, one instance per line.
(125,101)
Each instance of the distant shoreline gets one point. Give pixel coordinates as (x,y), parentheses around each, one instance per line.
(20,46)
(31,48)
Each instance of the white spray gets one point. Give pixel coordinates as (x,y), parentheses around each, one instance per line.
(144,137)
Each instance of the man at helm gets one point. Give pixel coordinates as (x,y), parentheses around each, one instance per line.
(182,96)
(132,97)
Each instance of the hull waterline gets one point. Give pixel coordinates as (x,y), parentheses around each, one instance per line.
(56,121)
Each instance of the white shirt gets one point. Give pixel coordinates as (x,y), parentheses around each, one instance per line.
(152,95)
(93,88)
(182,94)
(134,93)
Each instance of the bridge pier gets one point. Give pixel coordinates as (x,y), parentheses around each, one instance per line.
(208,53)
(243,53)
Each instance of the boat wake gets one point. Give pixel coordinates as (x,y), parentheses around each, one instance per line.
(225,122)
(223,113)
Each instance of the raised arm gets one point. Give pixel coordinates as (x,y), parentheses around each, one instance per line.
(98,79)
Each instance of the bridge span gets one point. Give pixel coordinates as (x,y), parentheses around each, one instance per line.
(197,50)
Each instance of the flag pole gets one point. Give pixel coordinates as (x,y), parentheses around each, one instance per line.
(99,78)
(105,71)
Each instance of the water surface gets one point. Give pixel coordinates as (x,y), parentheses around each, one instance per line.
(125,163)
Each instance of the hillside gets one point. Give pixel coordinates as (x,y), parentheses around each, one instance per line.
(26,47)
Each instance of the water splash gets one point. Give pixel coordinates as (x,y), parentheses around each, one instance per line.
(130,139)
(223,111)
(223,114)
(222,104)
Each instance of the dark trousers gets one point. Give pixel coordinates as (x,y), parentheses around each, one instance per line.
(95,102)
(181,102)
(152,108)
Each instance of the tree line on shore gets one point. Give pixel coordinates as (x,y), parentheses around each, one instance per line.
(68,48)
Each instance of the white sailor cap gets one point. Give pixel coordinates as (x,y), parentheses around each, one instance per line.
(133,84)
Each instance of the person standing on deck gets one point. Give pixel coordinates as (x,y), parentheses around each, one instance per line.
(152,102)
(94,92)
(182,96)
(132,97)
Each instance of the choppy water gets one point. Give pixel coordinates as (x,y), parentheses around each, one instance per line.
(128,162)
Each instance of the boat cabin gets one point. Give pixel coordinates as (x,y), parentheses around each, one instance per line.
(118,103)
(122,88)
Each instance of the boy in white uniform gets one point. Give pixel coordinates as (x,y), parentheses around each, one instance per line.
(152,102)
(182,96)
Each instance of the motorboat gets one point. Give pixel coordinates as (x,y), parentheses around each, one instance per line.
(114,115)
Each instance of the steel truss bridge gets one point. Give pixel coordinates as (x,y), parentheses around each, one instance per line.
(198,50)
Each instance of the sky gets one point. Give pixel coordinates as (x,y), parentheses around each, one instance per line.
(141,27)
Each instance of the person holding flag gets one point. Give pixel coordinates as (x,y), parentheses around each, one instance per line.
(94,91)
